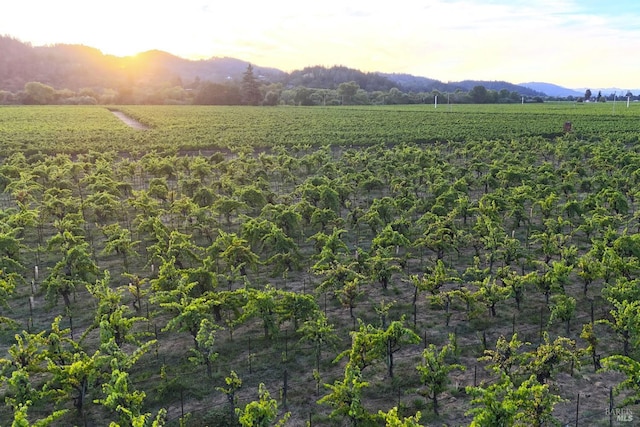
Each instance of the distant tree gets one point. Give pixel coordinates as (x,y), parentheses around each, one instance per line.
(347,91)
(302,96)
(38,93)
(272,94)
(587,95)
(217,94)
(479,94)
(250,88)
(6,97)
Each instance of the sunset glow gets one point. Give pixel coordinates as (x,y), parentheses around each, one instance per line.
(568,42)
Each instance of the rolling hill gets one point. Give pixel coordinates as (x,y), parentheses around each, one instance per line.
(76,67)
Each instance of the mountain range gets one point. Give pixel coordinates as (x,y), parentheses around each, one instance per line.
(559,91)
(75,67)
(553,90)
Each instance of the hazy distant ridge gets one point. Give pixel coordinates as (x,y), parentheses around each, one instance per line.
(552,90)
(559,91)
(75,67)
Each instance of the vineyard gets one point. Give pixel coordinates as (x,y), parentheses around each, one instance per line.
(74,129)
(362,266)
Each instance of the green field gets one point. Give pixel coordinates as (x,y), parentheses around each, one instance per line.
(309,248)
(81,129)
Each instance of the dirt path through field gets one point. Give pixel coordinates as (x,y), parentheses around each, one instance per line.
(128,120)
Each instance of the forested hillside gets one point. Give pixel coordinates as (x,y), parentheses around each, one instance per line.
(83,73)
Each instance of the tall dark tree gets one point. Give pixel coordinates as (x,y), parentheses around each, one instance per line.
(587,95)
(479,94)
(250,88)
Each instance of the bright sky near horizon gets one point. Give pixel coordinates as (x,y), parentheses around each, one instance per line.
(572,43)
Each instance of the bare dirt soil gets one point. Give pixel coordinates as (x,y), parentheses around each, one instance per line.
(129,121)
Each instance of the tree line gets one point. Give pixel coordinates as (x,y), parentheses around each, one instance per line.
(253,91)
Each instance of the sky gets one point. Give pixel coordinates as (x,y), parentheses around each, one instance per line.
(572,43)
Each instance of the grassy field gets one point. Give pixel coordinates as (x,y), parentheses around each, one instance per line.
(468,221)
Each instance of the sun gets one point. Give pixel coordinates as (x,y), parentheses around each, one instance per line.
(120,47)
